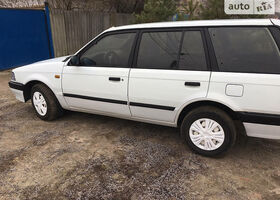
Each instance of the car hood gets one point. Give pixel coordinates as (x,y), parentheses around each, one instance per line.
(50,65)
(59,59)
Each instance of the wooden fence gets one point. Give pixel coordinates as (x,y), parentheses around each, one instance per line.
(73,29)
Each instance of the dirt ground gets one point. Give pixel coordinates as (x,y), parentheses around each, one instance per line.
(83,156)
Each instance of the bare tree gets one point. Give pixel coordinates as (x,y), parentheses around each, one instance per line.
(120,6)
(73,4)
(125,6)
(20,3)
(62,4)
(189,7)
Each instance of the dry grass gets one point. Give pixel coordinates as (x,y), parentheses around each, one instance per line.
(82,156)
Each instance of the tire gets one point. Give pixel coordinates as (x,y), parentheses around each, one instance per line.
(48,107)
(213,141)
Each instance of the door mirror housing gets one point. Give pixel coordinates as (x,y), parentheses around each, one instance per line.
(74,61)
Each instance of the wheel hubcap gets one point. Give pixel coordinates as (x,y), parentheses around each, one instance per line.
(40,103)
(207,134)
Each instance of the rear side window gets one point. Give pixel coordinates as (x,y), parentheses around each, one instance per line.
(159,50)
(245,49)
(192,56)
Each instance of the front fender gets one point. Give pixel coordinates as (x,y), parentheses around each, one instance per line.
(54,84)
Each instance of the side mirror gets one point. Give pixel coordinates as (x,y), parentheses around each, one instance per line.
(74,61)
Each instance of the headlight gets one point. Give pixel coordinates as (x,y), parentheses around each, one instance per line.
(13,77)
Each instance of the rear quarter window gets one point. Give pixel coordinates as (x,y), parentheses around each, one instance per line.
(245,49)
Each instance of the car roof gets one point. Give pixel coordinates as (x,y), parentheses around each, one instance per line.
(198,23)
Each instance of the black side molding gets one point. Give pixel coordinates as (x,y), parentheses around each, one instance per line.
(95,98)
(120,102)
(16,85)
(259,118)
(152,106)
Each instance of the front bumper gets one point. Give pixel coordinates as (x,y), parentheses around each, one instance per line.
(17,89)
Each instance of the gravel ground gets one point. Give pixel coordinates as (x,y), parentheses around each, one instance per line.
(83,156)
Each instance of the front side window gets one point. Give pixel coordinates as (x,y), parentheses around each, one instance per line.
(245,49)
(159,50)
(110,51)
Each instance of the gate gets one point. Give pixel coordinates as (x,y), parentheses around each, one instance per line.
(24,37)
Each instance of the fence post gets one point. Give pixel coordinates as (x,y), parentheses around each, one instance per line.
(49,31)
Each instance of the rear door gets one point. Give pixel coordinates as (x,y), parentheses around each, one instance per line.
(170,70)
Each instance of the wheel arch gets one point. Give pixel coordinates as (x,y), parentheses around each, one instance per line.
(28,86)
(197,104)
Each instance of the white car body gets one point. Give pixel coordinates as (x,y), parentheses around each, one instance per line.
(160,96)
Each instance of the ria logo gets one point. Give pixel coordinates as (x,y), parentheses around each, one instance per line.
(247,7)
(264,6)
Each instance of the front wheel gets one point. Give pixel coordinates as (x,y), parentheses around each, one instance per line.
(45,103)
(208,131)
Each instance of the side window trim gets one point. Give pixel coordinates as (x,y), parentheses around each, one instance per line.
(80,52)
(136,49)
(275,32)
(180,49)
(205,46)
(133,49)
(212,59)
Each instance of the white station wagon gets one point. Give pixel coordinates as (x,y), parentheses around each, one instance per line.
(201,76)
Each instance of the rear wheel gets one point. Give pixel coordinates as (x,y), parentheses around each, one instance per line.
(45,103)
(208,131)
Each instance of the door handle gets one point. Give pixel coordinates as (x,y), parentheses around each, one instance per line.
(193,84)
(114,79)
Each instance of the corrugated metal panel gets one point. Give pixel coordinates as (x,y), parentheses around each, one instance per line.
(23,37)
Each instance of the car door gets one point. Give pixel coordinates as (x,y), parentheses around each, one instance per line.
(248,75)
(99,82)
(170,70)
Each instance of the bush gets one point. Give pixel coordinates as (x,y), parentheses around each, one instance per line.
(156,11)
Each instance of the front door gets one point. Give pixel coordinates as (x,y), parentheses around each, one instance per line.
(99,83)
